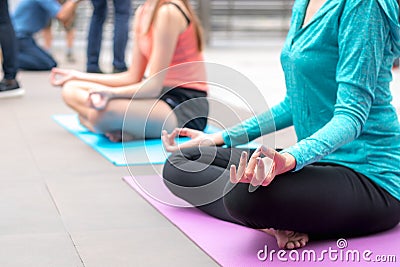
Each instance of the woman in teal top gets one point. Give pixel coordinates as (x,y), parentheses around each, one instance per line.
(342,177)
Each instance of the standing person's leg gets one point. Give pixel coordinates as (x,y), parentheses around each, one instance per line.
(70,37)
(95,35)
(48,37)
(32,57)
(9,87)
(323,201)
(123,9)
(200,175)
(7,43)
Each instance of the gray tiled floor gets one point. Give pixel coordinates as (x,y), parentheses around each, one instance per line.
(62,204)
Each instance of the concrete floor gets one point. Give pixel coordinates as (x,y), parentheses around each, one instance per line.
(62,204)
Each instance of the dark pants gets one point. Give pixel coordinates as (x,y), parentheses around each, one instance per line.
(32,57)
(122,11)
(322,200)
(7,42)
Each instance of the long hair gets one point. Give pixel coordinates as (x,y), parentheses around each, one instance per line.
(194,19)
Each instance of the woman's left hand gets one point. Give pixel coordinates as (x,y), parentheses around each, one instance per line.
(261,171)
(58,77)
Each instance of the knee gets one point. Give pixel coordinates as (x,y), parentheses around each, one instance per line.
(99,10)
(68,93)
(237,209)
(122,12)
(171,170)
(246,206)
(179,169)
(123,9)
(172,176)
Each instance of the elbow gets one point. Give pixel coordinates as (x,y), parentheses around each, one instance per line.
(152,88)
(354,116)
(354,123)
(154,93)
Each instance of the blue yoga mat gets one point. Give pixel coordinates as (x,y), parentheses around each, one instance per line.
(141,152)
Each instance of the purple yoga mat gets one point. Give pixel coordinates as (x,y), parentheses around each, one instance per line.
(233,245)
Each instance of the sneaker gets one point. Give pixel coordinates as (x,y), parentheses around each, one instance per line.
(10,88)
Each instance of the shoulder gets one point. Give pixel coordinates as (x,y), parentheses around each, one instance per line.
(364,4)
(362,9)
(169,12)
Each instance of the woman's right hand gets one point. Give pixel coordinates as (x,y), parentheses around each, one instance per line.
(99,98)
(197,138)
(59,77)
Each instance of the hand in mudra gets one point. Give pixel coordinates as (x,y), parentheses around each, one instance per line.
(197,138)
(58,77)
(99,99)
(261,170)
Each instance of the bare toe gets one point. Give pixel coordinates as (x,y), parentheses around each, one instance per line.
(290,239)
(289,245)
(296,244)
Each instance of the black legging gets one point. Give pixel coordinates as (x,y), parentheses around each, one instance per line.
(322,200)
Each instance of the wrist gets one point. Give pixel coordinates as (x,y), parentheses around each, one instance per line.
(217,139)
(290,161)
(77,75)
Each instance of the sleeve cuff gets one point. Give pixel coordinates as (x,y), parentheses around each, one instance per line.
(297,155)
(226,138)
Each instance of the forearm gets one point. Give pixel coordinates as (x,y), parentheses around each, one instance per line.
(142,90)
(110,80)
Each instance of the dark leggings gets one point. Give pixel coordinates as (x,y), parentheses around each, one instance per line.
(7,42)
(322,200)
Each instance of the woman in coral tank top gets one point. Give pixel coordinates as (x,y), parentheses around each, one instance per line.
(167,34)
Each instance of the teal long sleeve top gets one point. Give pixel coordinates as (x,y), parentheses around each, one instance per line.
(338,70)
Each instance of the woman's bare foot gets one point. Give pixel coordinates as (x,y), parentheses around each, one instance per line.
(118,136)
(288,239)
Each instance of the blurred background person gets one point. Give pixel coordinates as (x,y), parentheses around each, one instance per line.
(9,86)
(167,34)
(69,37)
(122,12)
(30,17)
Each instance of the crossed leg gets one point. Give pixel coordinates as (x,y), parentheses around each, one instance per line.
(321,201)
(122,118)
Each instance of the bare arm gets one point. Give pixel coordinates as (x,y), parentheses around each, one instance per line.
(133,75)
(166,30)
